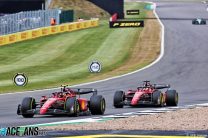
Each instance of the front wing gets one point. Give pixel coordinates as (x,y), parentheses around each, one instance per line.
(140,103)
(37,111)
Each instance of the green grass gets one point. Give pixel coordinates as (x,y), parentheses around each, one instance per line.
(134,6)
(64,58)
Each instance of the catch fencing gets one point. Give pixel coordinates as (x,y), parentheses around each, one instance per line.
(12,23)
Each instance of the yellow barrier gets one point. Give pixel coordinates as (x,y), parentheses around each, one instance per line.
(45,31)
(3,40)
(31,34)
(36,33)
(71,27)
(24,35)
(62,28)
(54,29)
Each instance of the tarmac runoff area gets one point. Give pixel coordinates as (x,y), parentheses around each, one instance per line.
(180,120)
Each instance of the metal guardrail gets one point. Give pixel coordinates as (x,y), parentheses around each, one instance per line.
(12,23)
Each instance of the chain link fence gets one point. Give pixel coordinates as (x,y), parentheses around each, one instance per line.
(12,23)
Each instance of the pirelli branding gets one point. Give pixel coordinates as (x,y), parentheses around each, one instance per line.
(132,12)
(123,24)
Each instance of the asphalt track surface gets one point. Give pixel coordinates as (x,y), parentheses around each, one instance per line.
(184,66)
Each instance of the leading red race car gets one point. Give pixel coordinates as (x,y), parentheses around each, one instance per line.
(148,94)
(67,102)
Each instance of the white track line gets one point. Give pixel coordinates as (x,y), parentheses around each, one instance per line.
(148,66)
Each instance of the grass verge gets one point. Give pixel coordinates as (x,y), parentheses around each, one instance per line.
(64,58)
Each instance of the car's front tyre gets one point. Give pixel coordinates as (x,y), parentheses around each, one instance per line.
(28,103)
(118,99)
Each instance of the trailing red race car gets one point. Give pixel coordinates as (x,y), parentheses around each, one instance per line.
(67,102)
(148,94)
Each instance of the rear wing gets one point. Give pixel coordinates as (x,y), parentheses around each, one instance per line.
(156,86)
(81,91)
(161,86)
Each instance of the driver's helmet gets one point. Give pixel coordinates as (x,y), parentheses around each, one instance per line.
(64,89)
(146,84)
(61,95)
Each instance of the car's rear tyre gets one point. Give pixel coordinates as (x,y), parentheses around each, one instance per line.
(118,99)
(97,105)
(72,106)
(28,103)
(171,98)
(158,98)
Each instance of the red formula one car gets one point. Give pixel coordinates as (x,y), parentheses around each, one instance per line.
(148,94)
(67,102)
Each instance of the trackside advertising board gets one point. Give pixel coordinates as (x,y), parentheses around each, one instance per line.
(124,24)
(132,12)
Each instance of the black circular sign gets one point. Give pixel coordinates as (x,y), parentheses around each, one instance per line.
(20,79)
(95,67)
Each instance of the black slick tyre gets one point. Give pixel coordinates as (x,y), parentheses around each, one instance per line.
(158,98)
(97,105)
(171,98)
(118,99)
(28,103)
(72,107)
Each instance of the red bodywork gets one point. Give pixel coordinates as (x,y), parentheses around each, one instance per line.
(65,102)
(57,101)
(141,94)
(144,95)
